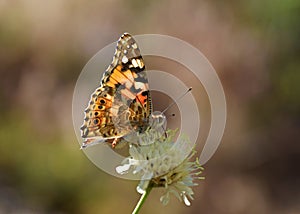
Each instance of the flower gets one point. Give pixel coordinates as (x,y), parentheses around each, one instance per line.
(161,162)
(180,180)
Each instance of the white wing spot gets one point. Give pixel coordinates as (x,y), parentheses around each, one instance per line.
(134,46)
(134,62)
(140,63)
(124,59)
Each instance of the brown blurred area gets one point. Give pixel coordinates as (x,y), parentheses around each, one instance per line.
(255,49)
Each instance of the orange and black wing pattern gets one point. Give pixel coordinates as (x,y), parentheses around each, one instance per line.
(122,102)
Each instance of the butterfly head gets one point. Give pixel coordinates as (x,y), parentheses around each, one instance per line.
(157,120)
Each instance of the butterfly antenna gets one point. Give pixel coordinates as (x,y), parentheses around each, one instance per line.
(175,101)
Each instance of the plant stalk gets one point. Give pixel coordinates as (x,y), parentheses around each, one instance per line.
(142,199)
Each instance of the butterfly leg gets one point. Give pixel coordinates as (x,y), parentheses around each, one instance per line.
(114,143)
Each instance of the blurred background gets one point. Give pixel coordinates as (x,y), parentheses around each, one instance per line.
(254,47)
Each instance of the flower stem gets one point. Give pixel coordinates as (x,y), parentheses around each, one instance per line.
(142,199)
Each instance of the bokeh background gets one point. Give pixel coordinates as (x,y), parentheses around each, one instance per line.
(255,49)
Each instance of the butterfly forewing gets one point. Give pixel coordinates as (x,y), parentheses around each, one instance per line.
(122,103)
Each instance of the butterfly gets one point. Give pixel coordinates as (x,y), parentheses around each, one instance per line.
(122,103)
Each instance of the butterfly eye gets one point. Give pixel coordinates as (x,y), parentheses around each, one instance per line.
(102,101)
(96,121)
(96,113)
(100,107)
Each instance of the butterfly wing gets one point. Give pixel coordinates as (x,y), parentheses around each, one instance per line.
(122,102)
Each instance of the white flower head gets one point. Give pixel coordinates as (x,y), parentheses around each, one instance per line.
(179,181)
(161,162)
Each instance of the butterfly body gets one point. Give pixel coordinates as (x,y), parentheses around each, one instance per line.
(122,103)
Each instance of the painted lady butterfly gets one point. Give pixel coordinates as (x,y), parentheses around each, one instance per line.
(122,103)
